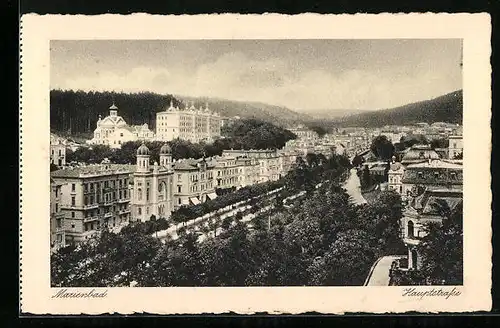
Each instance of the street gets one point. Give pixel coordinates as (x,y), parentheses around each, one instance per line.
(353,188)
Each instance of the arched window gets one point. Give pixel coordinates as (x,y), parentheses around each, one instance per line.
(411,229)
(139,194)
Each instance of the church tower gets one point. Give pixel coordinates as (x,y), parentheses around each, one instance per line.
(143,159)
(165,155)
(113,110)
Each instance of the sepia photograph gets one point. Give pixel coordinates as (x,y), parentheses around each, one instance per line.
(256,163)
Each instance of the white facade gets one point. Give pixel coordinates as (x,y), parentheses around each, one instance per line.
(190,124)
(57,151)
(113,131)
(152,188)
(455,146)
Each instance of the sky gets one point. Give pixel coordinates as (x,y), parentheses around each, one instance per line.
(303,75)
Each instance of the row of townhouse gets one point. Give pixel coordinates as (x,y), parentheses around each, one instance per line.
(87,198)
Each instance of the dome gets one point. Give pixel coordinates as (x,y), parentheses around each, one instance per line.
(143,150)
(165,149)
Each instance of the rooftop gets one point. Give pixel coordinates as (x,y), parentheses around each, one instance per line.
(435,164)
(93,170)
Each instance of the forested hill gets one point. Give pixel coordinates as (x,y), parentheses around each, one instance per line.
(76,112)
(447,108)
(260,111)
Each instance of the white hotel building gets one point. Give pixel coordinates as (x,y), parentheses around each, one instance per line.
(190,124)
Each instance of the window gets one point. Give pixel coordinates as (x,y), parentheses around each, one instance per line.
(121,134)
(73,215)
(72,226)
(125,194)
(411,229)
(57,207)
(147,194)
(73,187)
(73,201)
(179,188)
(139,194)
(139,210)
(420,175)
(178,201)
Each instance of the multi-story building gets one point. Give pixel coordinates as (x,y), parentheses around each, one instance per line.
(286,160)
(57,234)
(431,174)
(419,153)
(190,124)
(268,161)
(420,211)
(57,151)
(113,131)
(249,169)
(152,188)
(303,132)
(395,175)
(194,181)
(93,197)
(455,146)
(228,172)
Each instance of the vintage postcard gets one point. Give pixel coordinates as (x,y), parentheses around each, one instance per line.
(255,163)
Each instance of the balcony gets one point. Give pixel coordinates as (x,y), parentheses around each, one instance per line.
(90,219)
(125,211)
(108,214)
(414,241)
(90,206)
(123,200)
(107,203)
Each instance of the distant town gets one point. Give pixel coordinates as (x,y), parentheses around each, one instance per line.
(174,198)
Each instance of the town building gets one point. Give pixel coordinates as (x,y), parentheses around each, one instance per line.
(422,210)
(419,153)
(228,172)
(93,197)
(194,181)
(455,146)
(57,151)
(392,136)
(395,175)
(190,124)
(249,169)
(57,233)
(268,161)
(113,131)
(152,187)
(431,174)
(303,132)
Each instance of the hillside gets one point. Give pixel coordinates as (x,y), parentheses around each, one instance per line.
(76,112)
(446,108)
(270,113)
(331,114)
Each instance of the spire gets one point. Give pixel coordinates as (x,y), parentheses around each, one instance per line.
(171,104)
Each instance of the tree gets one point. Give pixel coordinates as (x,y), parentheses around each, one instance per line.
(459,156)
(357,160)
(382,147)
(413,139)
(53,167)
(441,249)
(439,143)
